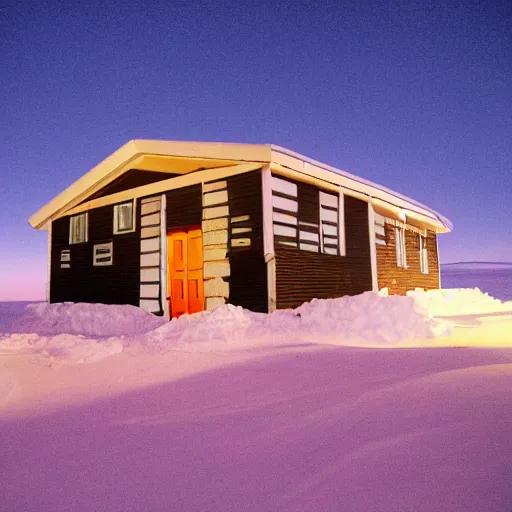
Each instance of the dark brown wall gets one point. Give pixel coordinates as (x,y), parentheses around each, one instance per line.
(131,179)
(83,282)
(400,280)
(303,275)
(248,280)
(184,207)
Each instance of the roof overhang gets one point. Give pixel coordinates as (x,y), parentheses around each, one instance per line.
(188,157)
(152,155)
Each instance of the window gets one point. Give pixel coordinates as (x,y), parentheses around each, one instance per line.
(380,230)
(102,255)
(123,218)
(65,258)
(78,229)
(401,260)
(423,255)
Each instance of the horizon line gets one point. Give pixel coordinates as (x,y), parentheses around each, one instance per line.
(478,262)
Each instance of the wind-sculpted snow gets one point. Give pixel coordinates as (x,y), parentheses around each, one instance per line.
(458,301)
(310,430)
(367,318)
(85,319)
(88,332)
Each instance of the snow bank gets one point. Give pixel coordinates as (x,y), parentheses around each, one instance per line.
(86,332)
(97,320)
(362,319)
(370,317)
(67,348)
(458,301)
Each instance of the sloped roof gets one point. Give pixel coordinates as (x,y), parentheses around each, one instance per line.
(184,157)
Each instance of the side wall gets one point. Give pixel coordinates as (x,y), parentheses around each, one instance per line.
(399,280)
(302,275)
(83,282)
(248,279)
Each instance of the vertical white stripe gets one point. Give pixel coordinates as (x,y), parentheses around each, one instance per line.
(438,262)
(341,224)
(373,247)
(268,236)
(320,227)
(266,192)
(49,262)
(163,258)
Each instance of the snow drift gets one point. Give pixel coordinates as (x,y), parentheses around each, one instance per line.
(85,319)
(87,332)
(458,301)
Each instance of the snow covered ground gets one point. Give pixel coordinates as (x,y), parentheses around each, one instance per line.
(365,403)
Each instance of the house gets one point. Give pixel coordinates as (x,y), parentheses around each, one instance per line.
(178,227)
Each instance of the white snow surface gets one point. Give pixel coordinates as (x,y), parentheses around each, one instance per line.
(231,410)
(85,319)
(458,301)
(86,332)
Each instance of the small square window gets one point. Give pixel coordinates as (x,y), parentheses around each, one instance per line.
(102,255)
(78,229)
(124,221)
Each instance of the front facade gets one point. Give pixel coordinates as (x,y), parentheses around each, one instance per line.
(178,227)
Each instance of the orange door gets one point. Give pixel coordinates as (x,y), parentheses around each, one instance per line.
(185,271)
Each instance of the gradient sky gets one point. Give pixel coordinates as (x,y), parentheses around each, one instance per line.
(414,95)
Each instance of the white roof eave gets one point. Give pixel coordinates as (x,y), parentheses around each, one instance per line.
(373,190)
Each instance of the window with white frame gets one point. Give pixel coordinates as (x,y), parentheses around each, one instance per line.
(102,255)
(65,258)
(401,258)
(78,229)
(380,229)
(124,220)
(423,255)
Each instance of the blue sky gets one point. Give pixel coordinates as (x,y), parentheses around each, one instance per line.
(412,95)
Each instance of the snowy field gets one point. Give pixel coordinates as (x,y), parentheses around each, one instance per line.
(367,403)
(494,279)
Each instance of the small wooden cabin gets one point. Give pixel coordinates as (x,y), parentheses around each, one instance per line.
(178,227)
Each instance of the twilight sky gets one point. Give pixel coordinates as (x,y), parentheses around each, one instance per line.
(414,95)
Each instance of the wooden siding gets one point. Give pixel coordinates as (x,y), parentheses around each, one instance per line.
(184,207)
(400,280)
(131,179)
(248,279)
(83,282)
(303,275)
